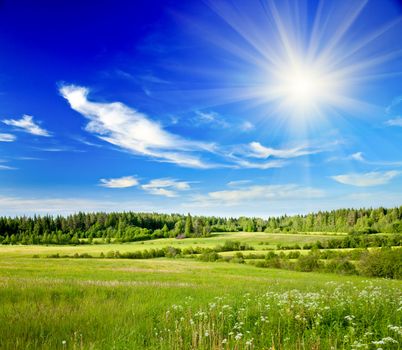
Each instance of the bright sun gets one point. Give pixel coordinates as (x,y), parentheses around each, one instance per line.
(302,87)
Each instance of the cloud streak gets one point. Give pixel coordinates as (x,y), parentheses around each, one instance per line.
(27,124)
(359,156)
(211,118)
(258,193)
(260,151)
(166,187)
(7,137)
(122,182)
(394,122)
(6,167)
(374,178)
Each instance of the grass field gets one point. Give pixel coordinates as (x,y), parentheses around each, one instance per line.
(186,304)
(258,240)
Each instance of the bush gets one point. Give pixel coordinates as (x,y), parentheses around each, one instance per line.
(230,246)
(385,262)
(209,256)
(293,255)
(341,266)
(171,252)
(238,258)
(308,263)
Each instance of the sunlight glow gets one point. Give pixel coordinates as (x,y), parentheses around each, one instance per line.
(299,62)
(301,87)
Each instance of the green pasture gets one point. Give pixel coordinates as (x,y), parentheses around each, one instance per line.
(258,240)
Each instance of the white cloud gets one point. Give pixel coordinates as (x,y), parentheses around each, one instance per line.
(216,120)
(247,126)
(122,182)
(238,183)
(360,157)
(27,124)
(166,187)
(6,167)
(212,118)
(7,138)
(394,122)
(133,131)
(357,156)
(245,164)
(259,151)
(258,193)
(373,178)
(394,111)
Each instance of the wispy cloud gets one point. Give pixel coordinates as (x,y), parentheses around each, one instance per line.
(212,118)
(7,137)
(133,131)
(238,183)
(260,194)
(394,111)
(27,124)
(121,182)
(59,148)
(260,151)
(5,167)
(359,157)
(391,108)
(28,158)
(374,178)
(246,164)
(166,187)
(394,122)
(85,141)
(254,155)
(247,126)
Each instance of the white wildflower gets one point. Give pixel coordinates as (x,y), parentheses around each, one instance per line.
(238,336)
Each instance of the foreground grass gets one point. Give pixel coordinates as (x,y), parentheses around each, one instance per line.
(185,304)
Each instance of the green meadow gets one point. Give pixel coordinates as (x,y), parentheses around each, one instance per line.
(183,303)
(257,240)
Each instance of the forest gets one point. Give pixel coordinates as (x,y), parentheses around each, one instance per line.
(130,226)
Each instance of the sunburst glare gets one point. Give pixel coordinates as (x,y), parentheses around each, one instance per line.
(303,88)
(302,61)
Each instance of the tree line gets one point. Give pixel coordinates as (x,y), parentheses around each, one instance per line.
(130,226)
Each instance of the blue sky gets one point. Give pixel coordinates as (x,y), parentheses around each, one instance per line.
(211,107)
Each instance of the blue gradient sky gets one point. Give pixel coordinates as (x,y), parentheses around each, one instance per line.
(179,106)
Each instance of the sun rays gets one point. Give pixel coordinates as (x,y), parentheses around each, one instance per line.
(300,59)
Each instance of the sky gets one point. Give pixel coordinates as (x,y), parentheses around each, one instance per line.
(228,108)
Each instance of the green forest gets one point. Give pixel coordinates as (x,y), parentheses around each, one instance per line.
(130,226)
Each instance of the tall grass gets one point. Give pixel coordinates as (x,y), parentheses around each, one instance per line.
(344,317)
(176,304)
